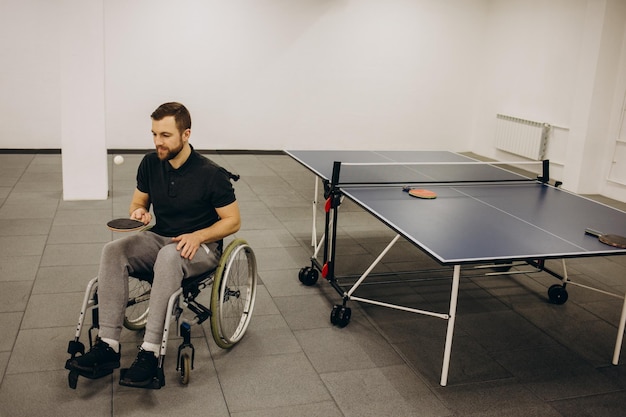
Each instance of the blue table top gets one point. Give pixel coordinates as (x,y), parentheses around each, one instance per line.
(474,223)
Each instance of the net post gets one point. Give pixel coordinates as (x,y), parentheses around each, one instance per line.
(335,175)
(545,175)
(331,235)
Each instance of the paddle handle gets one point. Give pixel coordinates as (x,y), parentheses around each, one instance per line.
(593,232)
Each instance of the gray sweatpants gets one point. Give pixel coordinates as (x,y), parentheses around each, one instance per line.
(139,252)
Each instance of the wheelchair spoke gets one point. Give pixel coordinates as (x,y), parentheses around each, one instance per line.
(235,300)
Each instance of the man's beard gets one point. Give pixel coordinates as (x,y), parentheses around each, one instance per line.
(171,154)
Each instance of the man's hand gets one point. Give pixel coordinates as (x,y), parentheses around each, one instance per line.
(188,244)
(142,215)
(229,223)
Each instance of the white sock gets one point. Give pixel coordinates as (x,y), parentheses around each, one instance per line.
(151,347)
(113,344)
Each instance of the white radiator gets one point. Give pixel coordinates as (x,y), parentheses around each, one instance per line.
(522,137)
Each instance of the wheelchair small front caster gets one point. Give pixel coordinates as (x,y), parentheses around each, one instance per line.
(185,361)
(557,294)
(340,315)
(185,368)
(308,276)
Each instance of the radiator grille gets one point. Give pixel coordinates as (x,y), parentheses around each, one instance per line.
(522,137)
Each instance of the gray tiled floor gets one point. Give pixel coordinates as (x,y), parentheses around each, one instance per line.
(514,354)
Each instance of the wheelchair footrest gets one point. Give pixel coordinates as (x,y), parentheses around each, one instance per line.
(95,374)
(155,383)
(72,378)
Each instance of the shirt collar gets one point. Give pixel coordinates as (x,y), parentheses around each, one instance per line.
(185,166)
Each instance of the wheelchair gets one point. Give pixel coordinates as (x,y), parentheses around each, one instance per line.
(233,294)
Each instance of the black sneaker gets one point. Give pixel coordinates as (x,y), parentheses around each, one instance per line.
(143,372)
(101,360)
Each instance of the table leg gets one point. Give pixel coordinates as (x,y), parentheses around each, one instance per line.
(620,334)
(450,331)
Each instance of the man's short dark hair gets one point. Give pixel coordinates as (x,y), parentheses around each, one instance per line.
(180,113)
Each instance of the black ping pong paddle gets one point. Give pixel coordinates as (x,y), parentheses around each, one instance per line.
(419,192)
(125,225)
(616,241)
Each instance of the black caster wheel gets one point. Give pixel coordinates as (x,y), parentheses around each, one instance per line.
(340,316)
(333,314)
(557,294)
(344,317)
(308,276)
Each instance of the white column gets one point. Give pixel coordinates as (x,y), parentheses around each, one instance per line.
(83,141)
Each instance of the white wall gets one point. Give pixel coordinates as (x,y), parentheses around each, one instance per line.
(271,74)
(262,74)
(556,62)
(30,80)
(532,53)
(275,74)
(614,129)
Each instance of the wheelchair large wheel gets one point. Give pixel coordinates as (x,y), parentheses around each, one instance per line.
(233,293)
(136,315)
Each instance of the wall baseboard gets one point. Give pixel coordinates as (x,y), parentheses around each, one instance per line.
(30,151)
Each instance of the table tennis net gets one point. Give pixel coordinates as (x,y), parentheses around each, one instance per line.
(355,174)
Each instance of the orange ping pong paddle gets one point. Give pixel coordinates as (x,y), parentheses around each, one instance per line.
(616,241)
(419,192)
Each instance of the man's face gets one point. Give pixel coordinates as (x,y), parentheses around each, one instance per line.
(167,139)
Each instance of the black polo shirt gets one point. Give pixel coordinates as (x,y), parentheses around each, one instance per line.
(184,199)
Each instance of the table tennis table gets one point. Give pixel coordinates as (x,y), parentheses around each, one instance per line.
(484,214)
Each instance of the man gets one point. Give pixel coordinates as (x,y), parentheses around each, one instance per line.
(195,208)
